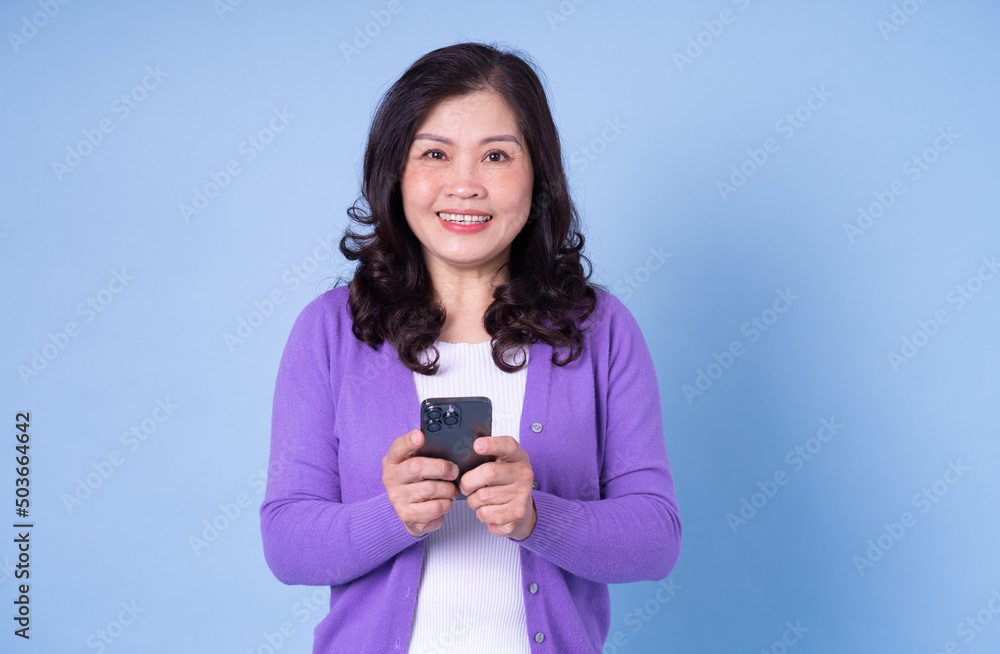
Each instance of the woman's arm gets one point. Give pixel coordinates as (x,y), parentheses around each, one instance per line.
(633,532)
(310,536)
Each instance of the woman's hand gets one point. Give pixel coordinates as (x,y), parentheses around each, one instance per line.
(412,481)
(500,491)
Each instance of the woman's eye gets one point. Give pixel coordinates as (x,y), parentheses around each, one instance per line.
(497,156)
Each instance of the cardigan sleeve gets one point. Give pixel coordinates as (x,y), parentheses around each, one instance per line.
(633,532)
(309,535)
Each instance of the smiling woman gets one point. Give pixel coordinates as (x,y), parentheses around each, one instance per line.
(467,174)
(432,148)
(469,281)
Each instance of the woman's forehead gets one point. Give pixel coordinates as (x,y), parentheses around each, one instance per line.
(473,117)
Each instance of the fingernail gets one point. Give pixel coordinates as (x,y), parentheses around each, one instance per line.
(413,438)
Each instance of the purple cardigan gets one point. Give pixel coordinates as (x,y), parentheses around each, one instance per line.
(593,432)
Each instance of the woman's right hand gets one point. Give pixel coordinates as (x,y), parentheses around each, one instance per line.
(420,488)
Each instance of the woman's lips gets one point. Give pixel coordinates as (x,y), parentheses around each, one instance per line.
(464,218)
(476,223)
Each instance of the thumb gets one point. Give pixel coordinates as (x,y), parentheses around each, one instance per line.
(416,439)
(405,446)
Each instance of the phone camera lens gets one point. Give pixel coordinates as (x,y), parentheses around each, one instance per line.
(434,414)
(451,419)
(434,426)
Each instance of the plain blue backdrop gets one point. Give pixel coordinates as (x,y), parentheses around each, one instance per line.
(721,154)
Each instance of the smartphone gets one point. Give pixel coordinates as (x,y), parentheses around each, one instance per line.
(450,425)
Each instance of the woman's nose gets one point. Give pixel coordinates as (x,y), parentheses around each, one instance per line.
(464,182)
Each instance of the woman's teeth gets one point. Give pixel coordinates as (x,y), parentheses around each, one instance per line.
(464,219)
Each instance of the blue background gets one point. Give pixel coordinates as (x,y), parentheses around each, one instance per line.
(654,183)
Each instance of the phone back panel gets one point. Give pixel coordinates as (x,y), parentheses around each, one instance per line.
(451,424)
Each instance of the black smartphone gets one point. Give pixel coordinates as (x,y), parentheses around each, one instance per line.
(450,425)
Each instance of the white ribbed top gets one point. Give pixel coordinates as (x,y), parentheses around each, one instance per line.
(470,599)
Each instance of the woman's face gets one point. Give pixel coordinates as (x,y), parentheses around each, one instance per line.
(467,158)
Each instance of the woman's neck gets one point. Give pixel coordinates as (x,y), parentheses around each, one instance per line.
(465,297)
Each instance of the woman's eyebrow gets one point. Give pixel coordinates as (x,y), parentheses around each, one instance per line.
(447,141)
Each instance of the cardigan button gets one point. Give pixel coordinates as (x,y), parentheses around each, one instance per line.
(536,427)
(533,588)
(534,485)
(539,637)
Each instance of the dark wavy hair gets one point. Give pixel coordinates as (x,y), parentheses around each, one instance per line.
(547,295)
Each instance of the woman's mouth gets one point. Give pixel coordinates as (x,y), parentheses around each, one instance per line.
(464,219)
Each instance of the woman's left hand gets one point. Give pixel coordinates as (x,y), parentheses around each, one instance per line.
(500,491)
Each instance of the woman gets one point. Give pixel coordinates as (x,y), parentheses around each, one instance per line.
(469,282)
